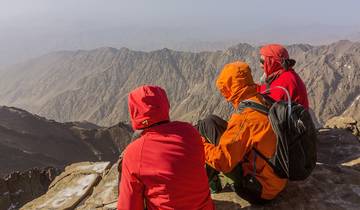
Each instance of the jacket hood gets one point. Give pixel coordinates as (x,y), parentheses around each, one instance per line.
(148,105)
(274,55)
(235,82)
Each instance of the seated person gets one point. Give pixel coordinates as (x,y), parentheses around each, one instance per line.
(229,145)
(278,71)
(164,167)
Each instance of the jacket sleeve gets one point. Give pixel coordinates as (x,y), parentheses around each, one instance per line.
(131,190)
(233,145)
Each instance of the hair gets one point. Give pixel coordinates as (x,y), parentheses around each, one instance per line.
(288,63)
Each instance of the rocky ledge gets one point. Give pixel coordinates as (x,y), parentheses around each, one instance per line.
(334,184)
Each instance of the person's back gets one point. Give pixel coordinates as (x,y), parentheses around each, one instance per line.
(279,72)
(165,166)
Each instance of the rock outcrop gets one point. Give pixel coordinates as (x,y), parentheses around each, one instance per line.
(105,194)
(71,186)
(334,184)
(347,123)
(19,188)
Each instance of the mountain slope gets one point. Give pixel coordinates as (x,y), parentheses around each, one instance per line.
(28,141)
(93,85)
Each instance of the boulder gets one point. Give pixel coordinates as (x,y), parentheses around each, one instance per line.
(105,194)
(70,187)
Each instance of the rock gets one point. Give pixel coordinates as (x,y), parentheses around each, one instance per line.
(344,123)
(355,164)
(71,187)
(329,187)
(105,194)
(81,167)
(5,199)
(19,188)
(337,146)
(229,200)
(334,183)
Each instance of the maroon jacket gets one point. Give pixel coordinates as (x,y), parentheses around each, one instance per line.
(165,166)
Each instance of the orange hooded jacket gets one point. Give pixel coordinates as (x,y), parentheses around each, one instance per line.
(246,129)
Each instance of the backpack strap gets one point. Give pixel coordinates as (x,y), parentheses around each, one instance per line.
(267,99)
(251,104)
(267,160)
(263,109)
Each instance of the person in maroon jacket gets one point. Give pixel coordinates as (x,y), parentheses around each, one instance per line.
(164,168)
(278,68)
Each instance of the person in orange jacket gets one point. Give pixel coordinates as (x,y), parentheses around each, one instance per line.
(228,145)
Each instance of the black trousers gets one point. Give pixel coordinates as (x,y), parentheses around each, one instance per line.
(247,187)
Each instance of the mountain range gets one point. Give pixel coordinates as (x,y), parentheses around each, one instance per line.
(93,85)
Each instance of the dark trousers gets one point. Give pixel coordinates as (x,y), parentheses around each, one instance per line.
(247,187)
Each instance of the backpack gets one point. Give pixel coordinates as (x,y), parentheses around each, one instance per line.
(295,155)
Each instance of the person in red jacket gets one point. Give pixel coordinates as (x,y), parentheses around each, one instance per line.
(164,168)
(278,71)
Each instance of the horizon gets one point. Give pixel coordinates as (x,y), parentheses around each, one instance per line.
(177,50)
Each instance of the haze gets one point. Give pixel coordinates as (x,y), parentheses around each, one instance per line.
(31,28)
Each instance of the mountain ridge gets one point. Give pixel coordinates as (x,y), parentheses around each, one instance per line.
(62,87)
(29,141)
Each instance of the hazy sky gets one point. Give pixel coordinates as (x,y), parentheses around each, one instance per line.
(29,28)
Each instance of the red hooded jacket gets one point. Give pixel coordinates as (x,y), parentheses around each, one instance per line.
(165,167)
(274,55)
